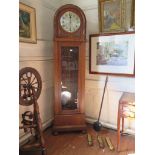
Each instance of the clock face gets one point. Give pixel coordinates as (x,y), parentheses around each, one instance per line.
(70,21)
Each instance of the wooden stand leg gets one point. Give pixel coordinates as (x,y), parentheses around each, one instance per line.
(118,129)
(122,124)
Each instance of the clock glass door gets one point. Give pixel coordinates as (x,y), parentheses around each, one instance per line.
(69,78)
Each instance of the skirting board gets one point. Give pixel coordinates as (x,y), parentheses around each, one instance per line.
(108,125)
(23,139)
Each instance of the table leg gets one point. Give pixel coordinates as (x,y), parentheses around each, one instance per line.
(122,124)
(118,128)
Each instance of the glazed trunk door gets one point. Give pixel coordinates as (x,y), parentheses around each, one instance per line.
(69,87)
(69,77)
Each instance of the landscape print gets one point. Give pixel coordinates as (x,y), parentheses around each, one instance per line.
(112,53)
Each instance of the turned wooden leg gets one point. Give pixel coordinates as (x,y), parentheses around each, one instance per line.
(122,118)
(118,128)
(122,124)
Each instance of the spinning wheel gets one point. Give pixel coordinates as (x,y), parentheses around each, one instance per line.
(29,79)
(29,91)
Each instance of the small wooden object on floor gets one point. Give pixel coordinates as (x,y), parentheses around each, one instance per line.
(109,143)
(90,140)
(101,142)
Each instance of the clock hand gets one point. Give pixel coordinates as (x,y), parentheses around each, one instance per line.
(70,20)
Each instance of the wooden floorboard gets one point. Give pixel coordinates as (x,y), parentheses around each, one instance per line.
(75,143)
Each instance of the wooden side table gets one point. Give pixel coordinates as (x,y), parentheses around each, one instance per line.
(126,109)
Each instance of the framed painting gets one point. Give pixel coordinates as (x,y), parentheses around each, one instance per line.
(112,54)
(111,16)
(27,24)
(133,14)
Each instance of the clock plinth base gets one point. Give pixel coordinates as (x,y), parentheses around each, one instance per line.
(64,123)
(57,129)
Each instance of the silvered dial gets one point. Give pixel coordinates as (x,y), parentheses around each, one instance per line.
(70,21)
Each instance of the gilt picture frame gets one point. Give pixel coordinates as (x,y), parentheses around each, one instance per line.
(27,24)
(111,16)
(112,54)
(132,14)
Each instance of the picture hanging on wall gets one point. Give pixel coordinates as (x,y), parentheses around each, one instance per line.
(132,25)
(27,24)
(112,54)
(111,16)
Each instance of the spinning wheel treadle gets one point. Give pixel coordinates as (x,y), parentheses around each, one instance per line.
(29,78)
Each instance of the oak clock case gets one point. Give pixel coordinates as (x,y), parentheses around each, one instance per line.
(69,81)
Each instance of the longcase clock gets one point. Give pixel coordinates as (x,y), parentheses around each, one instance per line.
(69,53)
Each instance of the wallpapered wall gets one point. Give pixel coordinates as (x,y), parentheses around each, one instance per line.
(40,56)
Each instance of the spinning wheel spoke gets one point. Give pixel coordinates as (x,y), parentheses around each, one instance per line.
(29,80)
(33,80)
(34,83)
(22,85)
(23,79)
(29,75)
